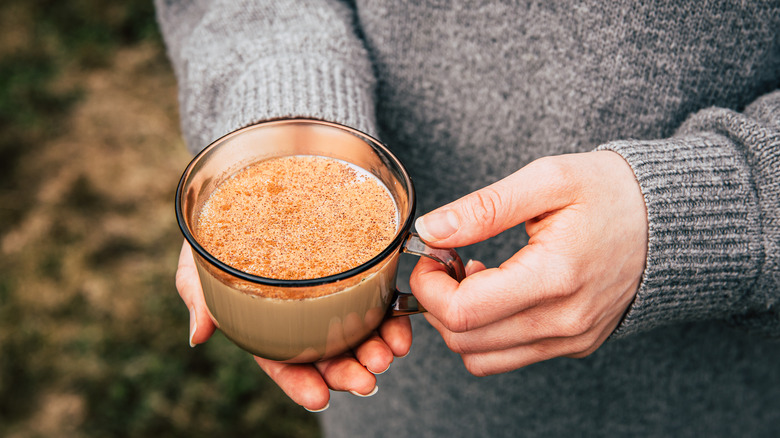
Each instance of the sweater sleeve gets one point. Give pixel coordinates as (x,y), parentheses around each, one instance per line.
(240,62)
(713,202)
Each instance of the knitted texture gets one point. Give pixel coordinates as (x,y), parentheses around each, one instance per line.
(468,92)
(280,62)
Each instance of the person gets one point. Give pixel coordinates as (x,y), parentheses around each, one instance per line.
(612,169)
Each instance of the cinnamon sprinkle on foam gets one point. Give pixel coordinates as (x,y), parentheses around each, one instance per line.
(298,217)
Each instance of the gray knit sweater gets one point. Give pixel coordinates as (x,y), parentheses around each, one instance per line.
(468,92)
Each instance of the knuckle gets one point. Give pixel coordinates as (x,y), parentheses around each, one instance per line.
(181,279)
(454,343)
(485,206)
(456,318)
(558,174)
(477,366)
(556,170)
(563,284)
(583,347)
(185,277)
(574,324)
(582,354)
(560,286)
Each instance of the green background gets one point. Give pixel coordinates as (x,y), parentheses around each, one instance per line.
(93,336)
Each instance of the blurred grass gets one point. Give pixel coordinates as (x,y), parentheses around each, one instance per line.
(93,337)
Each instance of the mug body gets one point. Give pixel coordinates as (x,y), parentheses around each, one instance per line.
(323,323)
(295,320)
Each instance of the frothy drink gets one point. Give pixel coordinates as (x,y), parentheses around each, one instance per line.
(298,217)
(293,218)
(296,227)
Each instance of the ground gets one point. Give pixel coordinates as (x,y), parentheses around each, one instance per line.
(93,337)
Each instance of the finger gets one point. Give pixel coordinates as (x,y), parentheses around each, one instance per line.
(374,354)
(397,334)
(188,285)
(529,326)
(530,277)
(495,362)
(303,383)
(539,187)
(474,266)
(610,327)
(559,320)
(345,373)
(569,316)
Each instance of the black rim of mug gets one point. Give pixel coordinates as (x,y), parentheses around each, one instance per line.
(398,240)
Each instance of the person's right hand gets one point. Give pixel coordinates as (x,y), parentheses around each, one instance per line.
(564,293)
(306,384)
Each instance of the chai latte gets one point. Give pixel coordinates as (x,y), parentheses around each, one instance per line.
(298,217)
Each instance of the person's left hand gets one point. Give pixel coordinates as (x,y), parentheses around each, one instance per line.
(561,295)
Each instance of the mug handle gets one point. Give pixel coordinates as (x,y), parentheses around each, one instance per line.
(405,303)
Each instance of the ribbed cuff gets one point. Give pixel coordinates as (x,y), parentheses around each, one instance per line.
(290,87)
(704,230)
(303,87)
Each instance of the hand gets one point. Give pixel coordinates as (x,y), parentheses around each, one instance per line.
(561,295)
(306,384)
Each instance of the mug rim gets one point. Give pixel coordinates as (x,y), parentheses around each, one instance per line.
(397,242)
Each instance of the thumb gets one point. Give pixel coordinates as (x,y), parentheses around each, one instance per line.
(531,191)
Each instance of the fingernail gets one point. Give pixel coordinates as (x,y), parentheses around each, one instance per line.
(437,225)
(317,410)
(379,372)
(373,391)
(193,326)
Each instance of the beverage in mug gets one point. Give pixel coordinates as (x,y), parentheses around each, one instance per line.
(298,217)
(296,227)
